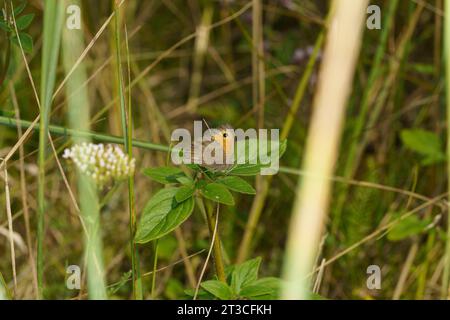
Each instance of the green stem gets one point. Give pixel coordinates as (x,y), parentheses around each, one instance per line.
(78,112)
(4,71)
(155,264)
(217,249)
(101,137)
(126,120)
(53,18)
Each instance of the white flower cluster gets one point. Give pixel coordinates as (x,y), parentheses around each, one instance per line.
(102,163)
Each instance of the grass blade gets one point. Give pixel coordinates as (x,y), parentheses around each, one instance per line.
(127,127)
(53,17)
(79,119)
(309,211)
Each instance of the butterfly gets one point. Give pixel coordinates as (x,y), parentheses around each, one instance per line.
(217,149)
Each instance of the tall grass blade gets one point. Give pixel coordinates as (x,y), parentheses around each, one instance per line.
(53,18)
(127,131)
(312,195)
(79,119)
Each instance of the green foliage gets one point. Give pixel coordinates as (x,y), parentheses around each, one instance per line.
(407,227)
(425,143)
(115,287)
(164,175)
(247,163)
(361,212)
(19,9)
(261,289)
(237,184)
(22,23)
(25,40)
(217,193)
(243,283)
(170,207)
(244,274)
(184,193)
(173,289)
(400,84)
(218,289)
(162,214)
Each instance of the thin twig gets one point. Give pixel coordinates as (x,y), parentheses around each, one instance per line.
(213,238)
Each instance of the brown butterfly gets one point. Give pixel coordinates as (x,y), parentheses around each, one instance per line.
(217,149)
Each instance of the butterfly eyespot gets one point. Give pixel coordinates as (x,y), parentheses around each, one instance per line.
(225,135)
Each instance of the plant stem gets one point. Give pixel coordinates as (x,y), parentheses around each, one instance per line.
(127,125)
(53,17)
(217,249)
(4,71)
(201,47)
(155,264)
(312,195)
(78,119)
(11,122)
(24,196)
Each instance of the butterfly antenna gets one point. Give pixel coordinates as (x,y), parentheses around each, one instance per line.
(206,124)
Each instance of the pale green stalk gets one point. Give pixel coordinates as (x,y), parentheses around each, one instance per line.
(101,137)
(312,195)
(79,119)
(53,18)
(127,127)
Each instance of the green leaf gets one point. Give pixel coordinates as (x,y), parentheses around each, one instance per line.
(248,164)
(18,10)
(245,169)
(218,289)
(201,294)
(433,159)
(167,246)
(237,184)
(184,193)
(423,68)
(185,180)
(4,26)
(244,274)
(218,193)
(162,214)
(26,40)
(164,175)
(251,147)
(264,288)
(423,142)
(24,22)
(193,166)
(173,289)
(283,147)
(123,281)
(407,227)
